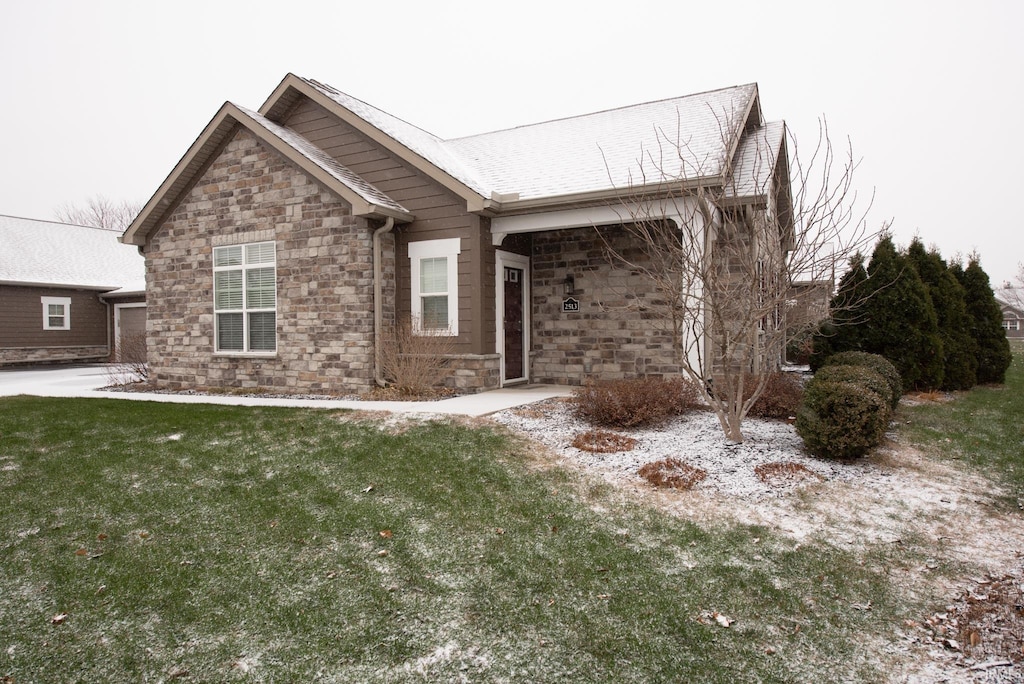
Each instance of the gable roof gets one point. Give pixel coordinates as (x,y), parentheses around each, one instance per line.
(36,252)
(604,153)
(690,140)
(366,200)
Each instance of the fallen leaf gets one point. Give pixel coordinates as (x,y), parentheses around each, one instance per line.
(58,619)
(273,524)
(177,673)
(387,534)
(382,553)
(367,490)
(723,620)
(102,589)
(332,575)
(974,638)
(101,537)
(500,530)
(82,552)
(951,644)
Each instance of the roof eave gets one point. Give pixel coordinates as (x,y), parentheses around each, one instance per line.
(614,195)
(63,286)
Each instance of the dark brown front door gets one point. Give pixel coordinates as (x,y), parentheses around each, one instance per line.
(513,323)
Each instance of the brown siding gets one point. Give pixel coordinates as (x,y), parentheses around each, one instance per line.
(21,318)
(23,340)
(439,214)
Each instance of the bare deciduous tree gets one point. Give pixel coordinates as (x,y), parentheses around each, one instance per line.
(100,212)
(724,243)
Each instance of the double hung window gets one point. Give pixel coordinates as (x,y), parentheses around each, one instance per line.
(245,298)
(435,278)
(56,313)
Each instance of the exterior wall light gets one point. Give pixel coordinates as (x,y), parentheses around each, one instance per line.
(570,284)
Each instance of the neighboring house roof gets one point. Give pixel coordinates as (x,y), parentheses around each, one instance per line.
(1011,298)
(59,254)
(695,139)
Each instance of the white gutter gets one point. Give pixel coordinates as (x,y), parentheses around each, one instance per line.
(378,300)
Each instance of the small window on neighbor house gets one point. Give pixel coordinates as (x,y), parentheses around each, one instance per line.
(435,278)
(245,298)
(56,313)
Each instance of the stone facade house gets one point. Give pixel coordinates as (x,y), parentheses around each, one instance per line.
(286,239)
(67,293)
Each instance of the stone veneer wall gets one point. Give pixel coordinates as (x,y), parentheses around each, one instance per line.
(324,279)
(610,337)
(28,355)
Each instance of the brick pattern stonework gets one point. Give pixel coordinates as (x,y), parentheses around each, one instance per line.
(611,336)
(14,356)
(324,279)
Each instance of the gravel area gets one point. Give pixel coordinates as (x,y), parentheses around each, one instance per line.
(697,440)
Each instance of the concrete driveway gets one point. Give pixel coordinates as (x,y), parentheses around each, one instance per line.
(86,381)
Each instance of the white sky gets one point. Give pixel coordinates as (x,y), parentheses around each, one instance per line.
(104,97)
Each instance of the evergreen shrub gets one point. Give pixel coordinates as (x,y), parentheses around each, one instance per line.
(878,364)
(842,420)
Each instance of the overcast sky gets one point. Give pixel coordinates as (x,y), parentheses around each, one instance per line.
(103,98)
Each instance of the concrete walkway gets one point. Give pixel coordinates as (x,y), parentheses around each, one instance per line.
(86,381)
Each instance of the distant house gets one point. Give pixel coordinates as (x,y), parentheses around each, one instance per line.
(1011,301)
(286,238)
(67,293)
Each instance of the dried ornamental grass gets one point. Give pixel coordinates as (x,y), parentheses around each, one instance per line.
(785,472)
(673,473)
(603,442)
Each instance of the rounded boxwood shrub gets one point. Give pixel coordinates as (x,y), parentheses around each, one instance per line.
(841,419)
(859,375)
(877,363)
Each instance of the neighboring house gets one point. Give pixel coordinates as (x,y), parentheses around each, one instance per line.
(67,293)
(286,239)
(1011,301)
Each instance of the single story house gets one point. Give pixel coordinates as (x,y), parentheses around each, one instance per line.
(67,293)
(287,238)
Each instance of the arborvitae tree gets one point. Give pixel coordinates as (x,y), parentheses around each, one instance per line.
(960,351)
(986,322)
(843,330)
(900,322)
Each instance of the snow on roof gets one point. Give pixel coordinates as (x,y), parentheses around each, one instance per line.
(755,159)
(427,145)
(344,175)
(50,253)
(680,138)
(683,137)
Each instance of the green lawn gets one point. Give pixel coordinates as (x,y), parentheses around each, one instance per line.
(203,543)
(983,427)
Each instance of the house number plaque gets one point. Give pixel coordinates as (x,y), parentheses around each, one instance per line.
(570,305)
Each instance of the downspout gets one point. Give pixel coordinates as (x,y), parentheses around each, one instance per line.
(378,300)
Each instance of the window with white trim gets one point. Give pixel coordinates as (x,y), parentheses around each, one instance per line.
(56,313)
(435,286)
(1011,324)
(245,298)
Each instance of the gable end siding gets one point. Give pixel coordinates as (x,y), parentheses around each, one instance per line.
(323,268)
(439,214)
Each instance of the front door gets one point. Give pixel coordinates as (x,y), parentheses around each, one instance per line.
(513,324)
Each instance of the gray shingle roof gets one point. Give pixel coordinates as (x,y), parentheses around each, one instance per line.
(755,159)
(678,138)
(50,253)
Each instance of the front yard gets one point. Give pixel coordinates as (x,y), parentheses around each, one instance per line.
(159,542)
